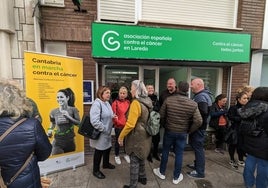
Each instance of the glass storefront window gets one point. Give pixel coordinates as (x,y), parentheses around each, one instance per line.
(117,76)
(264,80)
(210,77)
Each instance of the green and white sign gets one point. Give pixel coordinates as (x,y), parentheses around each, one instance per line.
(139,42)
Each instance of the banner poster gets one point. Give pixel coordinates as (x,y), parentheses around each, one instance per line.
(51,82)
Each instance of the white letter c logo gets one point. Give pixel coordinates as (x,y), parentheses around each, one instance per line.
(110,43)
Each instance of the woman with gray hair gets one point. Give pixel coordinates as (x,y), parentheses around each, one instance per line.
(26,144)
(137,140)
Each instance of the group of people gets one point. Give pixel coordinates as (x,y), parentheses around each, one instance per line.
(249,111)
(181,117)
(129,120)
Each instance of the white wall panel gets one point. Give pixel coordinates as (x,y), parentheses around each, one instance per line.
(199,12)
(117,11)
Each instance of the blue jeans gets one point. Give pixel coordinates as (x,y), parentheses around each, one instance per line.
(196,140)
(251,164)
(178,140)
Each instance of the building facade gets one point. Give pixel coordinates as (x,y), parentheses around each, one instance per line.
(57,27)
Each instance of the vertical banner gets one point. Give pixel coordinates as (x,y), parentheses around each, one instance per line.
(52,82)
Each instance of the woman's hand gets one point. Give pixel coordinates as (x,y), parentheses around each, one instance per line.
(65,113)
(120,142)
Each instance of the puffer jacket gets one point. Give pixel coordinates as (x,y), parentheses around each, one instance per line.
(180,114)
(17,146)
(256,146)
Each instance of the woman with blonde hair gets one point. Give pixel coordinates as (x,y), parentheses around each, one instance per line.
(137,140)
(120,108)
(26,144)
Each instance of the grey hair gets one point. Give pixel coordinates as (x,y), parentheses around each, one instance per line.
(141,90)
(13,102)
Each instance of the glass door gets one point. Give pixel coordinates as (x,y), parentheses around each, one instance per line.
(117,76)
(149,75)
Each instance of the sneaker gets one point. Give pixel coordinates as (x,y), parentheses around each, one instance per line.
(126,157)
(171,153)
(178,180)
(117,160)
(194,174)
(241,163)
(157,173)
(219,150)
(191,166)
(233,164)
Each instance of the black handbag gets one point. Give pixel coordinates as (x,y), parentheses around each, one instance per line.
(231,136)
(86,129)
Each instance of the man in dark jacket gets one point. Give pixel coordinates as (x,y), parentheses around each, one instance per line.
(171,90)
(181,116)
(196,139)
(254,128)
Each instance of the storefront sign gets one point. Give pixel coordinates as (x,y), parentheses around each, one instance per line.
(139,42)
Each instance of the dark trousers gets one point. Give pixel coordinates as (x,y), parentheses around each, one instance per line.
(238,148)
(98,154)
(155,141)
(220,133)
(116,145)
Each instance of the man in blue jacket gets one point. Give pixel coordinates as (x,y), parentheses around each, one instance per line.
(196,139)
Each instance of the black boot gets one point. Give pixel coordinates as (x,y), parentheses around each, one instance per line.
(149,158)
(143,181)
(99,175)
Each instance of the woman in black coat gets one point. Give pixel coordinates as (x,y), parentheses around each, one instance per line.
(255,114)
(219,121)
(235,120)
(156,138)
(28,137)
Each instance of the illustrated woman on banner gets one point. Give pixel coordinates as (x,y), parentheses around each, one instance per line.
(63,119)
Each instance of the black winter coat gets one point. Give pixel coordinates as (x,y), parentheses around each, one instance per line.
(16,147)
(256,146)
(234,116)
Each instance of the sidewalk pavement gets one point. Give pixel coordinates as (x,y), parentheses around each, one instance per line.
(219,174)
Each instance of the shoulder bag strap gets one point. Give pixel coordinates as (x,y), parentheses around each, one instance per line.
(100,110)
(21,169)
(4,135)
(11,128)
